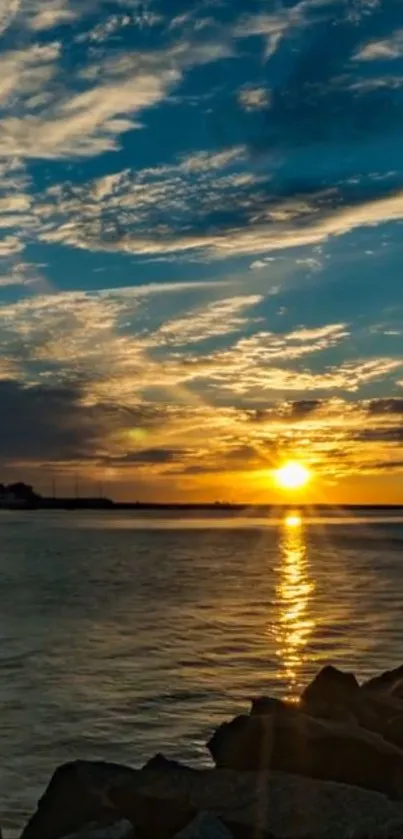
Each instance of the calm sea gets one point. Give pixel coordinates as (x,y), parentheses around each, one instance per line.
(123,635)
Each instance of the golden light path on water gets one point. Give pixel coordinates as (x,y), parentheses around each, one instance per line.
(293,623)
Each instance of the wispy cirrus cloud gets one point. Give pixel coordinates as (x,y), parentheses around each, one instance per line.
(10,245)
(27,72)
(269,27)
(43,15)
(388,48)
(51,120)
(210,206)
(196,207)
(8,12)
(86,123)
(218,318)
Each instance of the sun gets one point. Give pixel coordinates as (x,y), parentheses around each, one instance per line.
(292,475)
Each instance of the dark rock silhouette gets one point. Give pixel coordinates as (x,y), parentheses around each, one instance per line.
(337,696)
(331,686)
(150,816)
(159,763)
(271,705)
(393,731)
(377,712)
(389,682)
(76,796)
(306,746)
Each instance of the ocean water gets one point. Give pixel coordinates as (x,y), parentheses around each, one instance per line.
(124,635)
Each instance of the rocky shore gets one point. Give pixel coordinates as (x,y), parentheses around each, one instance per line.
(328,767)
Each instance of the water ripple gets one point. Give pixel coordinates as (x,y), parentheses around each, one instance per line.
(120,638)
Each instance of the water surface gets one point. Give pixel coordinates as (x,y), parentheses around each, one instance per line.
(123,635)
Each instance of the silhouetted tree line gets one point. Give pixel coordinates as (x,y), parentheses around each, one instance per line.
(19,491)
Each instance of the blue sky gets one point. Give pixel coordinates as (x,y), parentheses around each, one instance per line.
(201,211)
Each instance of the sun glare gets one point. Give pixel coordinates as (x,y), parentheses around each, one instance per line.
(293,520)
(292,475)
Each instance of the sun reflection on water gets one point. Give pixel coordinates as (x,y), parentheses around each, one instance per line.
(293,520)
(292,624)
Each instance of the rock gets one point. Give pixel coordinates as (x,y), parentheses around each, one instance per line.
(334,695)
(160,763)
(328,711)
(76,796)
(389,682)
(397,690)
(332,687)
(205,826)
(269,705)
(122,829)
(259,805)
(393,731)
(311,747)
(151,816)
(387,711)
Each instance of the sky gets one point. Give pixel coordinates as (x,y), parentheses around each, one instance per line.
(201,209)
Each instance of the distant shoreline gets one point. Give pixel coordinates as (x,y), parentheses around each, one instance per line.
(52,504)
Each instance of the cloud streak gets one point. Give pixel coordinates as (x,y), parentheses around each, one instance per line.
(51,121)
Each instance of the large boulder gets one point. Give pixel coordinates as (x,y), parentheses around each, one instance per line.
(386,715)
(389,682)
(331,686)
(334,695)
(267,804)
(311,747)
(78,794)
